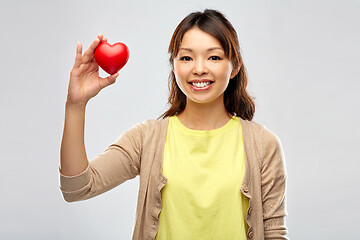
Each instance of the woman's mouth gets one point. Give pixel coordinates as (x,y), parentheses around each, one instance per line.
(199,86)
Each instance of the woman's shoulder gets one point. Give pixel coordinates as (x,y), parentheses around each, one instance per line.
(147,129)
(154,123)
(149,126)
(264,137)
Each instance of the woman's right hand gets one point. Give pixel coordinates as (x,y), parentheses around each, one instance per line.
(85,82)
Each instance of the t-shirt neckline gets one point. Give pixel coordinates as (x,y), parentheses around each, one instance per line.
(204,133)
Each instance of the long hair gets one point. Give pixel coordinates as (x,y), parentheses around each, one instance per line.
(237,101)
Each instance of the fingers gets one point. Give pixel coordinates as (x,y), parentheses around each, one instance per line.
(104,82)
(78,57)
(102,38)
(89,54)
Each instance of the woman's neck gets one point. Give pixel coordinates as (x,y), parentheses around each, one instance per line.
(198,116)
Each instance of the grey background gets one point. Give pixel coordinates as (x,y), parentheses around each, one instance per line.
(302,59)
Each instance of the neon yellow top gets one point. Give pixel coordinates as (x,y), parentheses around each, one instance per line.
(205,170)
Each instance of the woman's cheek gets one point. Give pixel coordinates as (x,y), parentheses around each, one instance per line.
(181,71)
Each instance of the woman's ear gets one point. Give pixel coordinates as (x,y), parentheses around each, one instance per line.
(235,71)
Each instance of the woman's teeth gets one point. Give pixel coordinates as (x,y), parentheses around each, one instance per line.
(200,85)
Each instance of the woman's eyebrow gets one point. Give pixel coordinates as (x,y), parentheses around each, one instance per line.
(208,50)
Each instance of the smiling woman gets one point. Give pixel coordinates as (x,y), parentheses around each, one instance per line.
(206,170)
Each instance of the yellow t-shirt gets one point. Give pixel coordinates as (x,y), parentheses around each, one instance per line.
(205,170)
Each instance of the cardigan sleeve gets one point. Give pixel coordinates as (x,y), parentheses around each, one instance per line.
(273,182)
(118,163)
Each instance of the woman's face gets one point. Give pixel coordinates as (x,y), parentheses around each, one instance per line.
(201,61)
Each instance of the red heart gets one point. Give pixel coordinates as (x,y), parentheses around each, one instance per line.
(111,58)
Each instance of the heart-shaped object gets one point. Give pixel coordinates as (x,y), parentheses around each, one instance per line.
(111,58)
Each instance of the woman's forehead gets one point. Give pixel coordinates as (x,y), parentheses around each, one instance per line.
(197,39)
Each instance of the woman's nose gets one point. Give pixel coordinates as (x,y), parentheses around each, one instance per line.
(199,68)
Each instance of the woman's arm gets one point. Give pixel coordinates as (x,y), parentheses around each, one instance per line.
(73,159)
(273,175)
(118,163)
(79,178)
(84,84)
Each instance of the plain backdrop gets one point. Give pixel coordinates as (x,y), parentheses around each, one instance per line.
(302,59)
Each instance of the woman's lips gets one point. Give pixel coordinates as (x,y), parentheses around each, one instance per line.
(201,88)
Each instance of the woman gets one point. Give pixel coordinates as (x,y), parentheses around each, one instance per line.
(206,170)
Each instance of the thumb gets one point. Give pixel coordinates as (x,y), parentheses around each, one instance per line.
(104,82)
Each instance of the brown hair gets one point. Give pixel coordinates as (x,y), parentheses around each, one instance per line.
(236,98)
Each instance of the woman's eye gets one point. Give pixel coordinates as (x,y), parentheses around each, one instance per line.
(185,58)
(215,58)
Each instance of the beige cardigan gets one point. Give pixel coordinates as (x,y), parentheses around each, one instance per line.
(139,151)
